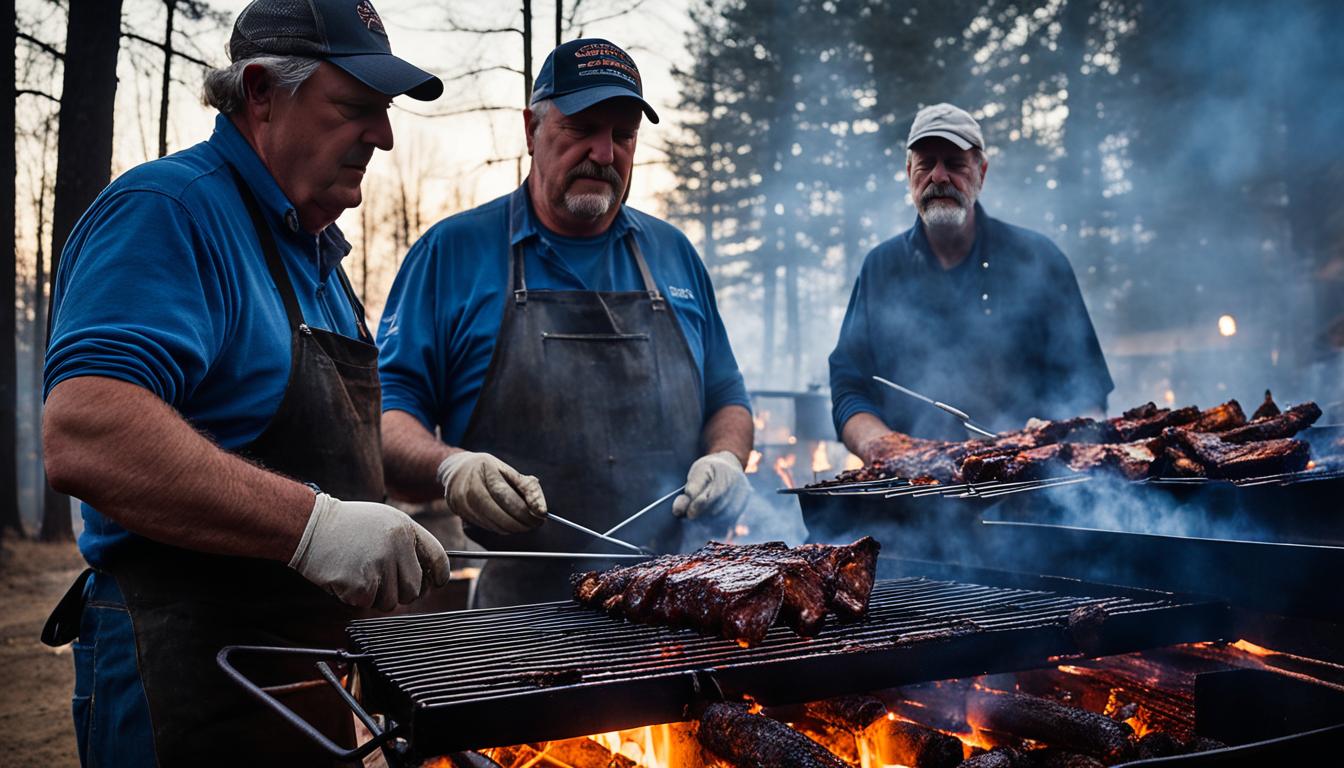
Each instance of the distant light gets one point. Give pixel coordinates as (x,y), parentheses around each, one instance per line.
(1227,325)
(1169,396)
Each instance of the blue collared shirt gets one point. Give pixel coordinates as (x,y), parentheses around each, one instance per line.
(1004,336)
(438,331)
(163,284)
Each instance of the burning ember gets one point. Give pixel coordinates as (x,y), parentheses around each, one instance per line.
(1089,712)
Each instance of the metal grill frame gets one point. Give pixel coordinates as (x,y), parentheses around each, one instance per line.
(457,680)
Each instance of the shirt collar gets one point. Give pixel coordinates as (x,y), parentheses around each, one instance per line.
(523,223)
(229,142)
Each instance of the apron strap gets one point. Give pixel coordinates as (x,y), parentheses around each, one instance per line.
(355,303)
(649,286)
(518,279)
(268,247)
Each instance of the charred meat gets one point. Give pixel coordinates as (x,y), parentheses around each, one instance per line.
(739,591)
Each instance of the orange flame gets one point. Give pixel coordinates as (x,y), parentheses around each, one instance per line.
(784,468)
(820,461)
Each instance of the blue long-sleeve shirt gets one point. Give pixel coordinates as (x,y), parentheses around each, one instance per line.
(438,332)
(1004,336)
(163,284)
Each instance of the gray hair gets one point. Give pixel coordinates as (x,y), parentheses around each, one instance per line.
(224,88)
(539,111)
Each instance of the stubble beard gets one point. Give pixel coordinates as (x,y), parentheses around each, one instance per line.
(591,205)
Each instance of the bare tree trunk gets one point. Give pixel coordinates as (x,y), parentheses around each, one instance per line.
(9,424)
(527,51)
(84,157)
(559,18)
(364,219)
(167,76)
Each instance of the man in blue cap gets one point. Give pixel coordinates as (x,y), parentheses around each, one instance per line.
(567,349)
(212,397)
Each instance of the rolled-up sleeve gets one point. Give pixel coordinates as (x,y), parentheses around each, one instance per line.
(139,298)
(410,350)
(851,362)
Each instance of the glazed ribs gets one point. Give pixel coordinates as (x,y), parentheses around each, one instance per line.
(1143,442)
(739,591)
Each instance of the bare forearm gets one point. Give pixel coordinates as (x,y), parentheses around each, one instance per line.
(861,429)
(124,451)
(729,429)
(411,458)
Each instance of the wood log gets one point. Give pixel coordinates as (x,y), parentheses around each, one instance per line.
(905,743)
(852,712)
(755,741)
(1058,758)
(585,752)
(999,757)
(1050,722)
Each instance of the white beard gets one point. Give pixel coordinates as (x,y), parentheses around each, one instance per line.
(589,206)
(942,216)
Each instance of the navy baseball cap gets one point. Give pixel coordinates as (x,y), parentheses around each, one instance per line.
(581,73)
(347,33)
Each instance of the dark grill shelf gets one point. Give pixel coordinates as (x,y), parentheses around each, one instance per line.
(474,679)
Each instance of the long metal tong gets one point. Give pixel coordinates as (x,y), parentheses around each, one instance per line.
(959,414)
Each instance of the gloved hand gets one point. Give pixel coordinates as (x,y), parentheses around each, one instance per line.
(368,554)
(716,485)
(486,492)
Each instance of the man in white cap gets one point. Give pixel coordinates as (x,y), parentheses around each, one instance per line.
(962,307)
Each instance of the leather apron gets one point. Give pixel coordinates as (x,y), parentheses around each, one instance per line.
(186,605)
(597,394)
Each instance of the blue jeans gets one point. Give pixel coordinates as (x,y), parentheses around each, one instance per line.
(112,726)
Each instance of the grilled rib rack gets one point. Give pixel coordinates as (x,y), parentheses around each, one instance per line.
(474,679)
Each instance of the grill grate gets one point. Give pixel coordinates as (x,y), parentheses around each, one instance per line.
(502,676)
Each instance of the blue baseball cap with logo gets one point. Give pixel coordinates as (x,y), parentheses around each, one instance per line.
(581,73)
(346,33)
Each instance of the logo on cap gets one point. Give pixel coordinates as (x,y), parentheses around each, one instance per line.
(370,17)
(607,59)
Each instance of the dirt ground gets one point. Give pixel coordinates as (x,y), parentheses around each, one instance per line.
(35,681)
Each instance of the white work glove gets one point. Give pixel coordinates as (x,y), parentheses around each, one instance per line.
(489,494)
(716,485)
(368,554)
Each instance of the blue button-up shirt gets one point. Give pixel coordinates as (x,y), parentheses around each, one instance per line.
(1004,335)
(163,284)
(438,331)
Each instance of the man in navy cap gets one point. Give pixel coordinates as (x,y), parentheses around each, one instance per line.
(566,348)
(963,308)
(212,397)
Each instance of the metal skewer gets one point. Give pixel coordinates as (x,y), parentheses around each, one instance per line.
(957,412)
(489,554)
(594,534)
(651,505)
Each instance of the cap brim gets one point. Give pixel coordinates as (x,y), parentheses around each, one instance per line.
(390,75)
(572,103)
(960,141)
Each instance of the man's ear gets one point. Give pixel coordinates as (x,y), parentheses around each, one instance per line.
(258,91)
(527,128)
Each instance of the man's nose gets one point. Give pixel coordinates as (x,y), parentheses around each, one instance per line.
(379,133)
(602,149)
(940,174)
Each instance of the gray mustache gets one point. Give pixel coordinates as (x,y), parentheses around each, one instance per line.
(590,170)
(942,190)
